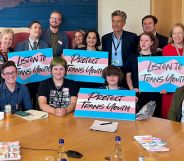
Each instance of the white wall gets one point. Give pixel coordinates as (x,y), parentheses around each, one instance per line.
(135,10)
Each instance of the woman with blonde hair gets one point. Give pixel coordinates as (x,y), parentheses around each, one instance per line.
(6,40)
(175,47)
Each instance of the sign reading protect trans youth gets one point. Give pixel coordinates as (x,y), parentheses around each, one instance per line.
(32,65)
(85,66)
(104,103)
(158,73)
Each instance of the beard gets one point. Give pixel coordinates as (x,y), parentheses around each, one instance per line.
(54,26)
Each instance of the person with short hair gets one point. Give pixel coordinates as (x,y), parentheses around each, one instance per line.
(56,39)
(6,40)
(149,23)
(58,95)
(12,93)
(78,39)
(119,43)
(34,41)
(176,111)
(113,77)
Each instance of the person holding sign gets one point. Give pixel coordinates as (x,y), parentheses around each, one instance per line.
(92,43)
(147,47)
(58,95)
(113,77)
(176,112)
(34,42)
(174,48)
(12,93)
(6,40)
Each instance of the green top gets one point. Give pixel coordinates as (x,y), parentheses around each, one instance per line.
(175,112)
(54,42)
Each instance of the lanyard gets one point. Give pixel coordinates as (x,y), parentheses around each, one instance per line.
(116,47)
(178,51)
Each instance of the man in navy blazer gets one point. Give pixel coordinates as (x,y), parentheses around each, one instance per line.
(119,43)
(33,42)
(149,23)
(56,39)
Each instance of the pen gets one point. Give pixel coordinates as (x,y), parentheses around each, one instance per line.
(106,123)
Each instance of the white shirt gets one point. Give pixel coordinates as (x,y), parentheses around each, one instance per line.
(31,43)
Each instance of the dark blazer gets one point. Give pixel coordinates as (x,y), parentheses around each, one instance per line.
(46,36)
(129,44)
(24,45)
(163,40)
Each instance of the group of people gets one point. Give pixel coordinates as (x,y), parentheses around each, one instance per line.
(58,95)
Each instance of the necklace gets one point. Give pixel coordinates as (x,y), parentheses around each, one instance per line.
(177,50)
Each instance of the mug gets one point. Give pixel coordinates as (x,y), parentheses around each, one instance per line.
(1,115)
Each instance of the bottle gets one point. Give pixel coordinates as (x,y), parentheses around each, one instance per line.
(61,151)
(7,111)
(117,154)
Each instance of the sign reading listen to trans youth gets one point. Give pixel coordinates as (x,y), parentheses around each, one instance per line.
(33,65)
(158,73)
(104,103)
(85,66)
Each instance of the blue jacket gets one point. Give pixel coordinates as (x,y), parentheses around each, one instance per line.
(24,45)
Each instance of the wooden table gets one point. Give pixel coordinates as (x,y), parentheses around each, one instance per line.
(94,145)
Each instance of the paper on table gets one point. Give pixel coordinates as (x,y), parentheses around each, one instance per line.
(104,126)
(34,115)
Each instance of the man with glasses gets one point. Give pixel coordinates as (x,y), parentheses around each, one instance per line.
(57,39)
(11,92)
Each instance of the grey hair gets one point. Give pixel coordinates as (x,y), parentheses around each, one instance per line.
(120,13)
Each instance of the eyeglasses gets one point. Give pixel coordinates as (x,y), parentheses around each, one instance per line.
(12,73)
(56,19)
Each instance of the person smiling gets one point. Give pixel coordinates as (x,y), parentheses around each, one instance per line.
(13,93)
(78,39)
(119,43)
(175,47)
(6,40)
(56,38)
(148,44)
(92,41)
(57,95)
